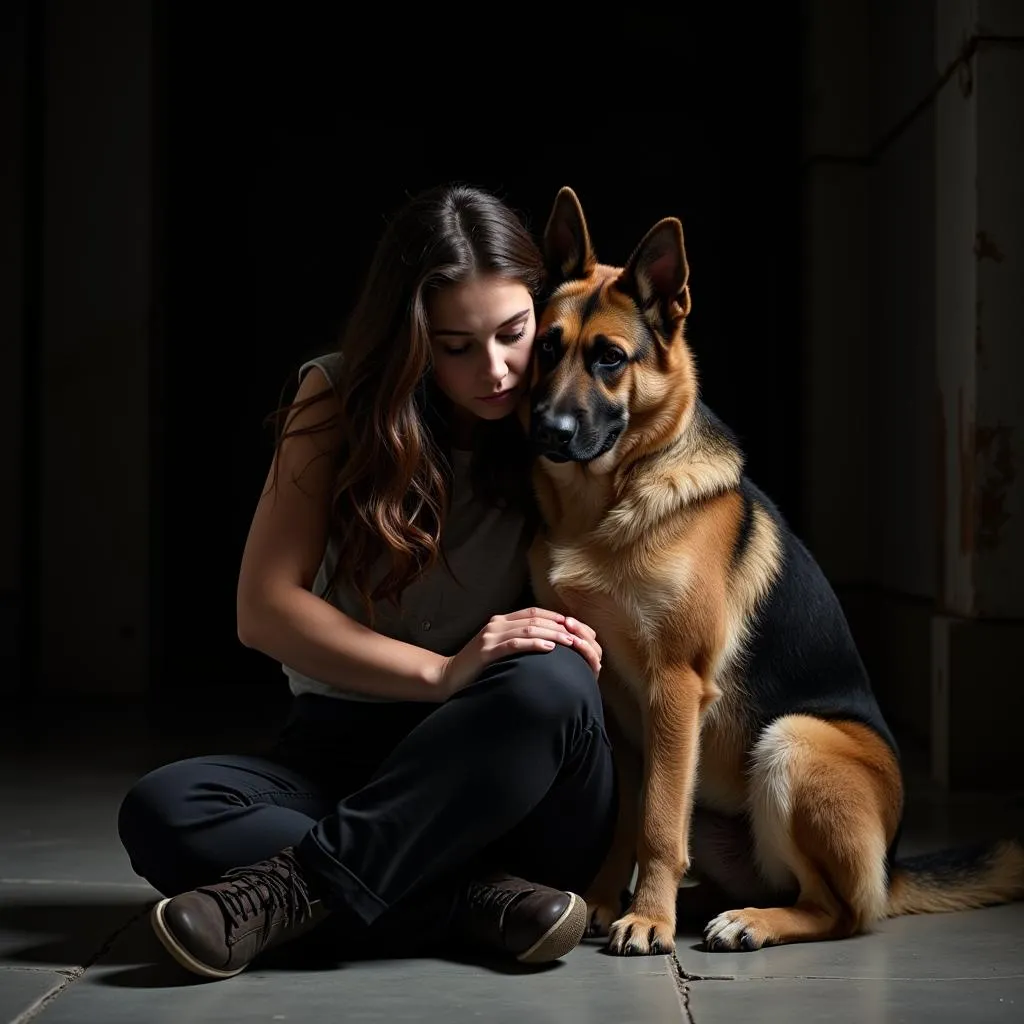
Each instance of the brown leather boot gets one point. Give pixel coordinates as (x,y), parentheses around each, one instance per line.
(534,923)
(217,930)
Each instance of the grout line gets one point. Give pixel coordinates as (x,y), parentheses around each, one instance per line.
(688,976)
(65,972)
(33,1010)
(74,881)
(680,978)
(853,977)
(856,977)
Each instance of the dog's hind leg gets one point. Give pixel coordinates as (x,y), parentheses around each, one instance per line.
(722,848)
(825,801)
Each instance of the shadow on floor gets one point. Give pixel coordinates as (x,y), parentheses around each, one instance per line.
(78,932)
(116,933)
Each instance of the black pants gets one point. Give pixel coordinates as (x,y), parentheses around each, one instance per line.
(392,806)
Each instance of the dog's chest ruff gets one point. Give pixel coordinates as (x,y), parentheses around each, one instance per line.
(618,593)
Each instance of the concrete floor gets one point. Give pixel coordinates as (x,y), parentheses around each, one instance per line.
(75,944)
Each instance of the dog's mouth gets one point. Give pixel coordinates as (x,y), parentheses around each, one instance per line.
(575,451)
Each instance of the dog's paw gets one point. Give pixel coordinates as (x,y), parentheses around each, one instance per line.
(636,935)
(735,931)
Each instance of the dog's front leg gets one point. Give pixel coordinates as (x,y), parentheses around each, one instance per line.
(671,734)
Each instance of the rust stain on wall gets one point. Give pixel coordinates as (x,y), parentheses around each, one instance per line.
(996,473)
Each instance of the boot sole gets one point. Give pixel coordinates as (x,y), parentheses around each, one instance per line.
(179,952)
(564,935)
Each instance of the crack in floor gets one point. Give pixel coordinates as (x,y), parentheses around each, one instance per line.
(66,971)
(34,1009)
(682,979)
(71,975)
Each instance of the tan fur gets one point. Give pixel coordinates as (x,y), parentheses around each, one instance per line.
(640,543)
(825,803)
(642,555)
(1001,883)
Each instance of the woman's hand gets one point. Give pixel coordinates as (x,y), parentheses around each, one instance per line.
(530,629)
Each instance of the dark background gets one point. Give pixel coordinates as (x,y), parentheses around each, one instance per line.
(190,193)
(286,140)
(194,191)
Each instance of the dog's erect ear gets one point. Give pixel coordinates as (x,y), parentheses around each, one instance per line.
(656,275)
(567,249)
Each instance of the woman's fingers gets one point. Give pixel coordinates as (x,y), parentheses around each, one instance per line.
(535,613)
(572,624)
(580,628)
(527,631)
(534,629)
(591,651)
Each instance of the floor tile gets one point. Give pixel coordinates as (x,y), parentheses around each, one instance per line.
(22,990)
(64,925)
(73,932)
(977,944)
(135,980)
(782,1001)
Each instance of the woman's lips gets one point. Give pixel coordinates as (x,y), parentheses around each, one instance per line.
(500,396)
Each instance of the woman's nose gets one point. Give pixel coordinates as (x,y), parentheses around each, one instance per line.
(497,368)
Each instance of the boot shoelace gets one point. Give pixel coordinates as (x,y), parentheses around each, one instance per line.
(489,897)
(267,886)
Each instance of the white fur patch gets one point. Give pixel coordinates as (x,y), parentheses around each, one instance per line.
(771,805)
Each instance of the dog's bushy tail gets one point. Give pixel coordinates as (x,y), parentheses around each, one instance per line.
(959,879)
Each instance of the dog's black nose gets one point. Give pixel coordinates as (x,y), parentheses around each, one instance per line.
(554,432)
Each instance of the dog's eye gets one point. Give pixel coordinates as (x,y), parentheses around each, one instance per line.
(549,350)
(611,356)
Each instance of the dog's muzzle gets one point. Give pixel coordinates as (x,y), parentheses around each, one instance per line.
(553,433)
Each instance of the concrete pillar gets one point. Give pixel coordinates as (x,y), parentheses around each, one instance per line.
(897,406)
(914,379)
(978,700)
(868,334)
(835,239)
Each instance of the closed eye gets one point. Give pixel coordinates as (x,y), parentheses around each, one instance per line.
(505,339)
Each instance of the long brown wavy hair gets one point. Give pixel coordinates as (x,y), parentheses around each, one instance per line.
(394,471)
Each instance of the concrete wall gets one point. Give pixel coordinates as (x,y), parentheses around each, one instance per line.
(912,314)
(913,300)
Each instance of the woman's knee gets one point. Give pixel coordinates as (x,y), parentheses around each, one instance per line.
(151,814)
(143,813)
(556,685)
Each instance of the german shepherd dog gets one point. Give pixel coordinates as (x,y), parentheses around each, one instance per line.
(743,724)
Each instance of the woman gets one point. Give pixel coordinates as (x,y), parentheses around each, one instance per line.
(444,774)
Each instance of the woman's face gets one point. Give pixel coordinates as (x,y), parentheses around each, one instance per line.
(481,334)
